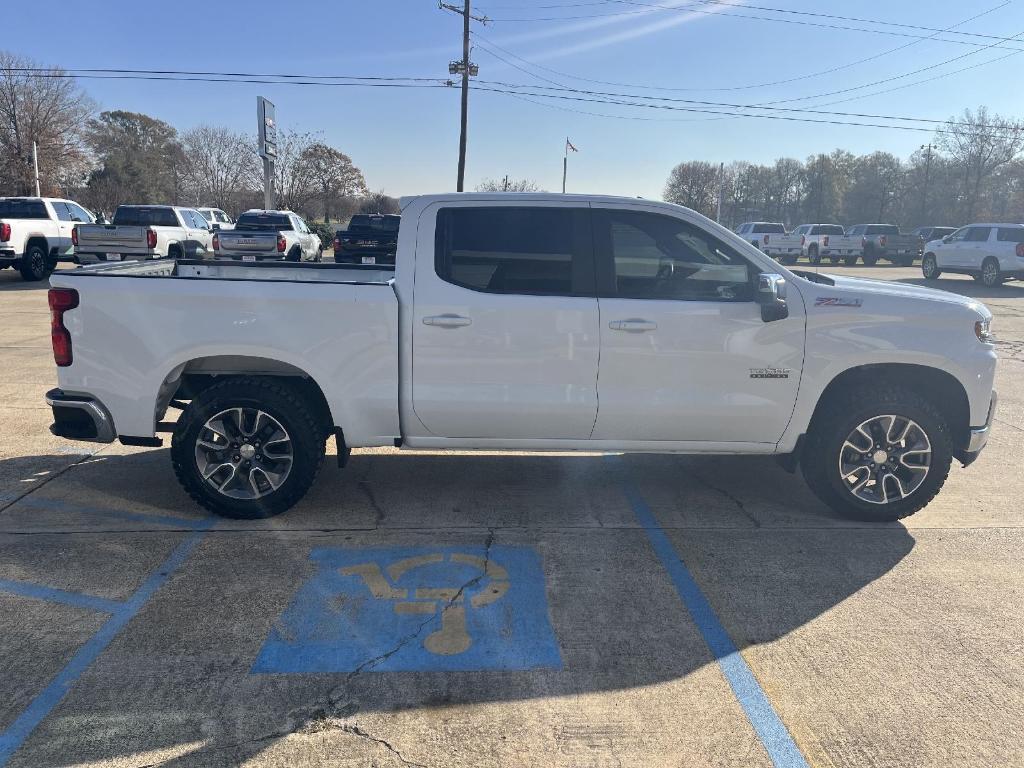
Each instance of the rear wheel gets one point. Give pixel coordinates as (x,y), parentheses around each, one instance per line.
(36,263)
(788,259)
(813,256)
(870,257)
(294,255)
(878,455)
(990,275)
(930,267)
(850,259)
(248,447)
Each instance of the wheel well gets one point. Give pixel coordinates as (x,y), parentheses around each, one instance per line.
(40,241)
(174,247)
(937,386)
(186,381)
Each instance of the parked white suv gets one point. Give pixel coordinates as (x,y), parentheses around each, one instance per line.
(35,233)
(990,253)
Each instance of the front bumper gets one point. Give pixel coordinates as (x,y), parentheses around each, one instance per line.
(80,417)
(978,436)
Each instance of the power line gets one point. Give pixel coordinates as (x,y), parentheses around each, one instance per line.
(739,87)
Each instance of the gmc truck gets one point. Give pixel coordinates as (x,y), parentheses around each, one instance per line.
(369,239)
(885,241)
(35,233)
(540,322)
(268,236)
(144,232)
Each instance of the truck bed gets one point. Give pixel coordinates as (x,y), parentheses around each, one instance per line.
(140,326)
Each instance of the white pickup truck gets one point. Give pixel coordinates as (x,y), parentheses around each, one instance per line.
(526,322)
(35,233)
(268,235)
(145,232)
(772,238)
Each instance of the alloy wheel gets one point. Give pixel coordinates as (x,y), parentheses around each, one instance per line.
(885,459)
(244,453)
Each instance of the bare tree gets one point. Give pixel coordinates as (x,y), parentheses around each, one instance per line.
(979,144)
(43,107)
(332,174)
(378,202)
(507,185)
(293,187)
(219,164)
(695,185)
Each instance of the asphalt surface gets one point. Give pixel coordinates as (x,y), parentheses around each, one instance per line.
(495,610)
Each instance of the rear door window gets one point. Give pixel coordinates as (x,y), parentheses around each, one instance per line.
(61,209)
(522,250)
(1010,235)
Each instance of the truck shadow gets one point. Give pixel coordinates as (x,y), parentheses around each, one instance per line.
(768,556)
(966,286)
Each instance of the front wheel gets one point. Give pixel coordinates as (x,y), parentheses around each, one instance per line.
(930,267)
(248,447)
(878,455)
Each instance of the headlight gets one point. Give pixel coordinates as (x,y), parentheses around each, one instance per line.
(983,330)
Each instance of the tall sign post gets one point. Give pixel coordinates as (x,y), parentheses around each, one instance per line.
(267,119)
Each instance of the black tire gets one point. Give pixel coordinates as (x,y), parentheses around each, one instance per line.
(870,257)
(990,275)
(850,259)
(813,256)
(282,402)
(36,264)
(930,267)
(294,255)
(840,416)
(905,261)
(835,258)
(788,259)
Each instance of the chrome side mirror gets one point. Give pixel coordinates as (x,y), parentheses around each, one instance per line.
(771,295)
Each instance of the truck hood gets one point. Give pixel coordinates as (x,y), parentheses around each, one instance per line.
(867,287)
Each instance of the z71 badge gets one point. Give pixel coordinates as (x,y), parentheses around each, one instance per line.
(769,373)
(837,301)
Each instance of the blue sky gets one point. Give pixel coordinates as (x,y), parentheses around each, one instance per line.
(405,140)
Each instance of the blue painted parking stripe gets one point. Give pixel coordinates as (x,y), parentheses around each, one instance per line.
(53,595)
(769,728)
(41,706)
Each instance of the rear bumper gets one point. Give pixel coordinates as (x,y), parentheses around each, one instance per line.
(80,417)
(977,437)
(8,256)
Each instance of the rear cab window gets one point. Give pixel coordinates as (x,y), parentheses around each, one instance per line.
(515,250)
(264,222)
(769,229)
(829,229)
(23,209)
(144,216)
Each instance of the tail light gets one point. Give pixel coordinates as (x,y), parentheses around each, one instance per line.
(74,236)
(61,300)
(151,238)
(1020,250)
(281,244)
(766,238)
(216,242)
(883,240)
(5,231)
(824,240)
(337,244)
(803,240)
(864,242)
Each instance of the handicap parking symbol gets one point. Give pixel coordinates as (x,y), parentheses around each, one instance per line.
(415,609)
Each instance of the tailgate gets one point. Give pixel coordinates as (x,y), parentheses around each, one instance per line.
(248,242)
(111,237)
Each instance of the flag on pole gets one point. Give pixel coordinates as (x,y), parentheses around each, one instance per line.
(569,146)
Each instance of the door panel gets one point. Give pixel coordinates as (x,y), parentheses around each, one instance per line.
(694,361)
(497,356)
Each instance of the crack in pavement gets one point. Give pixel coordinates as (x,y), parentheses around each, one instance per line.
(734,499)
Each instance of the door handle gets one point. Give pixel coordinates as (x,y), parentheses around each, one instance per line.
(633,325)
(447,321)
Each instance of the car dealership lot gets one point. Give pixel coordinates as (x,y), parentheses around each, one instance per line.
(136,630)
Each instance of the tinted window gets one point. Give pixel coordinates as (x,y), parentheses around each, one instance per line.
(661,257)
(78,212)
(960,234)
(374,223)
(883,229)
(139,216)
(207,214)
(829,229)
(856,231)
(515,250)
(1010,235)
(264,221)
(221,217)
(200,220)
(978,234)
(769,229)
(61,209)
(23,209)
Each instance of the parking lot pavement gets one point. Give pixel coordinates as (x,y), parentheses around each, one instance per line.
(479,609)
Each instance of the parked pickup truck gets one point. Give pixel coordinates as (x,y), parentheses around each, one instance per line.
(771,238)
(144,232)
(541,322)
(885,241)
(926,235)
(35,233)
(268,235)
(369,239)
(815,239)
(216,218)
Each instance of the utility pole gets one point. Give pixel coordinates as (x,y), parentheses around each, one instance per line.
(465,68)
(721,191)
(927,173)
(505,184)
(35,165)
